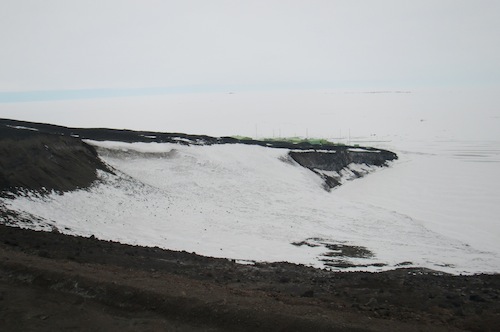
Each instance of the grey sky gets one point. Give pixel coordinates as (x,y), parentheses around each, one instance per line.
(123,44)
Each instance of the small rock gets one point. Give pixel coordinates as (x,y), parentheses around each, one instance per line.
(476,298)
(308,293)
(372,302)
(44,253)
(382,312)
(284,280)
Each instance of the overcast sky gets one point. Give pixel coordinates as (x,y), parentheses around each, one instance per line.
(206,46)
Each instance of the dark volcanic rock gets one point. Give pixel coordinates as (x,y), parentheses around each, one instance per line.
(221,293)
(104,134)
(45,162)
(338,158)
(343,156)
(327,161)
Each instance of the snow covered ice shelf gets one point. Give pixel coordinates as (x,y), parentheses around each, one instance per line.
(242,202)
(450,189)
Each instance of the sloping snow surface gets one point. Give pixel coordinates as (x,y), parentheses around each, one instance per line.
(243,202)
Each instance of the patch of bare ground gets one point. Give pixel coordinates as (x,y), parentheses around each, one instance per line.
(51,281)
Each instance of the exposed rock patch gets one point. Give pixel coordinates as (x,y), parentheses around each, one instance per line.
(120,286)
(336,160)
(339,255)
(45,162)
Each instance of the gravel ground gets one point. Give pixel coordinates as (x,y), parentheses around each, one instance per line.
(51,281)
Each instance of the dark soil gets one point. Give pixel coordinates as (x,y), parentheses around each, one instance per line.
(51,281)
(45,162)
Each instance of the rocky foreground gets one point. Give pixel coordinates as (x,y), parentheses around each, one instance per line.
(54,282)
(51,282)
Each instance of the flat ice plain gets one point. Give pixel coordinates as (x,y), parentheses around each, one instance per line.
(438,206)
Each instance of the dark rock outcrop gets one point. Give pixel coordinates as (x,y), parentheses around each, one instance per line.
(343,156)
(338,159)
(45,162)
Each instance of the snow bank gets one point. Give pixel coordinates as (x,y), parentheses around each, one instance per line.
(242,202)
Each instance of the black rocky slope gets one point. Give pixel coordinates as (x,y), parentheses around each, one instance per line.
(45,162)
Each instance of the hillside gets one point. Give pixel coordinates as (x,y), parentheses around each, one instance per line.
(24,137)
(161,189)
(252,204)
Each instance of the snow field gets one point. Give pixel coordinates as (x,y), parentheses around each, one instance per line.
(242,202)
